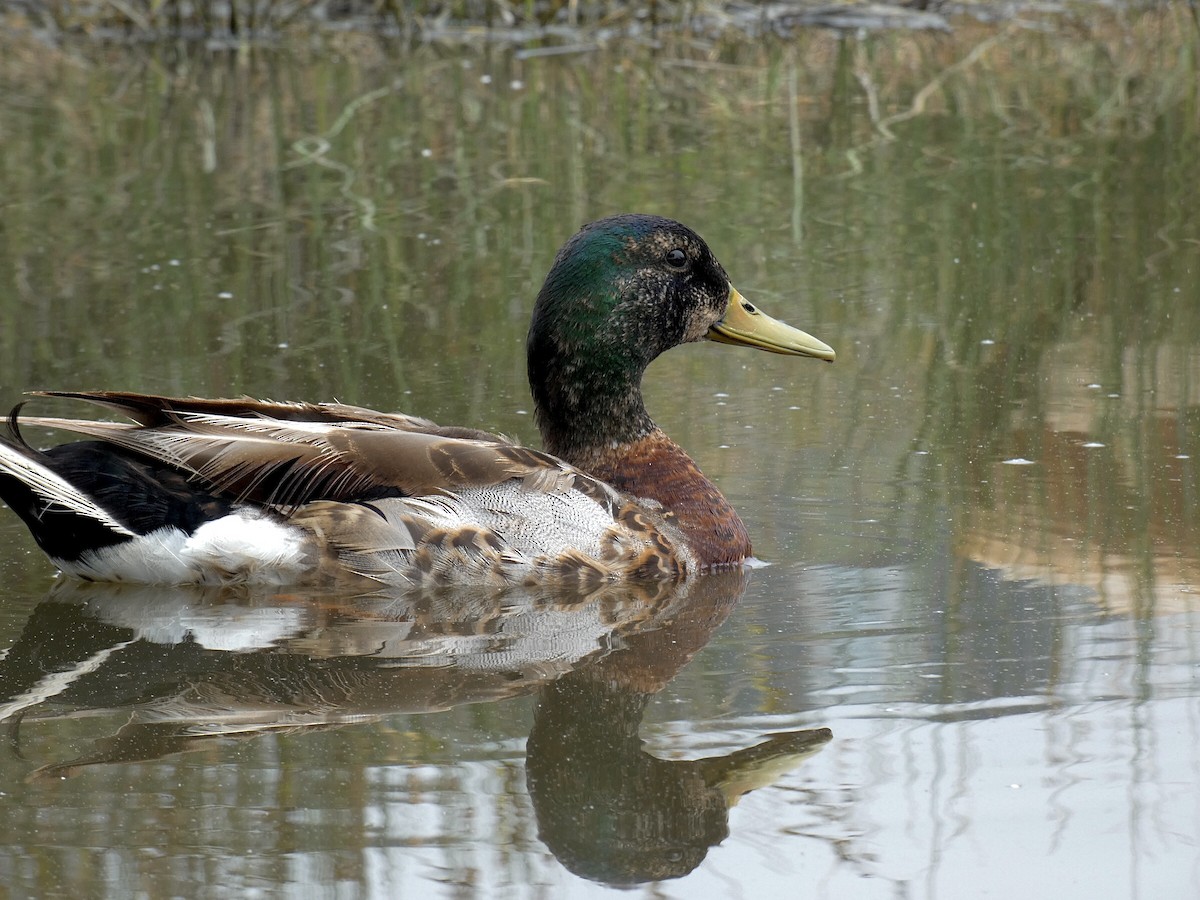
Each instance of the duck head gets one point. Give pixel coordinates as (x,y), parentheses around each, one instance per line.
(620,292)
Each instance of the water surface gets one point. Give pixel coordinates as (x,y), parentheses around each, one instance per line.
(981,521)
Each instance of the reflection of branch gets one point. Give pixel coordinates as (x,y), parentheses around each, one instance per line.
(882,124)
(314,149)
(1169,250)
(131,14)
(797,152)
(868,86)
(918,104)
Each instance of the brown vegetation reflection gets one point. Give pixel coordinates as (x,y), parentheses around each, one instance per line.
(1109,499)
(189,670)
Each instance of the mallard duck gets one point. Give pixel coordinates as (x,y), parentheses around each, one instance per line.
(217,491)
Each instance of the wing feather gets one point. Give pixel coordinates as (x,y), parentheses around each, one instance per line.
(153,410)
(287,454)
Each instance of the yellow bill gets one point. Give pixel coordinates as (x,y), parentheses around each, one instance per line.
(743,323)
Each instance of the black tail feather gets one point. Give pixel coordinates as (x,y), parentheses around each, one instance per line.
(138,496)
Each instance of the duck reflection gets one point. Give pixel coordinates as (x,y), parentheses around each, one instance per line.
(606,808)
(193,667)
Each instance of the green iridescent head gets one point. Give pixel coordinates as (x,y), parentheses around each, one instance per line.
(620,292)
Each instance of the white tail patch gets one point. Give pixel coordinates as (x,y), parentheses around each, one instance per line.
(246,546)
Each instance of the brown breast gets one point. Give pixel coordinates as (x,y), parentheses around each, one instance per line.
(658,468)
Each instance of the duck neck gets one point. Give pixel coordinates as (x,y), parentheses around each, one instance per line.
(587,397)
(586,410)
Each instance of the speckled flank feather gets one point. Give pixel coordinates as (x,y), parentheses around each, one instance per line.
(393,499)
(498,534)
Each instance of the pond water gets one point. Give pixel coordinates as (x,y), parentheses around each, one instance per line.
(972,665)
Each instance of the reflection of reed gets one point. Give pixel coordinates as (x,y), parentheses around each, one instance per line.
(241,22)
(188,201)
(1111,503)
(993,218)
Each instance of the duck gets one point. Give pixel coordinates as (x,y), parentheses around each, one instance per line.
(186,490)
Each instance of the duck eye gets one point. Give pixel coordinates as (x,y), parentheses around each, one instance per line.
(676,258)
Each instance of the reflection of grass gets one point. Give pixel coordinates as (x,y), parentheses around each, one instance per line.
(948,212)
(569,25)
(290,194)
(462,19)
(355,225)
